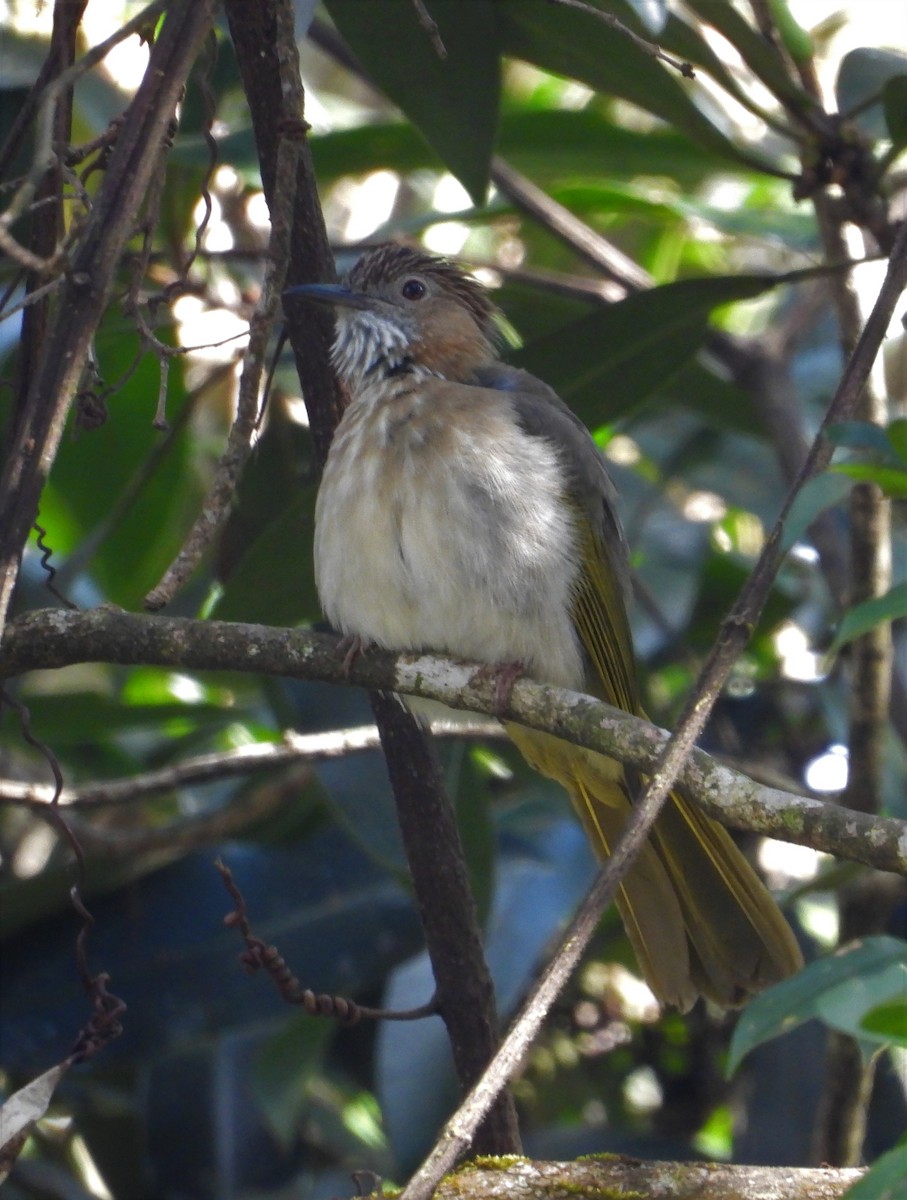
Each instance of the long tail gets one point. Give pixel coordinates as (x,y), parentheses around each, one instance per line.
(699,918)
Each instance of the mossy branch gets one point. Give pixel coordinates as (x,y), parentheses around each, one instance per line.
(55,638)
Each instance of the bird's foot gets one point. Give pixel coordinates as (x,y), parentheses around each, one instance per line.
(505,676)
(351,646)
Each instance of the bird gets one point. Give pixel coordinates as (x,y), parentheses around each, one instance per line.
(465,509)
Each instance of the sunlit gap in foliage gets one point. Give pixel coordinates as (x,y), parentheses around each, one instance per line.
(791,868)
(126,63)
(33,852)
(621,990)
(827,772)
(536,87)
(737,121)
(643,1093)
(701,506)
(218,333)
(622,450)
(186,689)
(739,532)
(448,237)
(798,660)
(257,212)
(359,207)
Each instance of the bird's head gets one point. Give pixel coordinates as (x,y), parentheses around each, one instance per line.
(400,311)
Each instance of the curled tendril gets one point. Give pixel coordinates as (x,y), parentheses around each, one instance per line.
(259,956)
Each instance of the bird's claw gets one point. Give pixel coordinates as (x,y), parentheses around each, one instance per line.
(351,646)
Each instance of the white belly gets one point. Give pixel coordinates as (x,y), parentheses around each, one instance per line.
(433,541)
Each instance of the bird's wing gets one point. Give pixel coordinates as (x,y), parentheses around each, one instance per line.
(603,586)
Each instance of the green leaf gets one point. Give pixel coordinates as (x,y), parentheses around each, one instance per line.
(285,1069)
(453,101)
(845,1006)
(756,51)
(860,435)
(545,143)
(863,617)
(897,436)
(74,718)
(885,1178)
(797,999)
(888,446)
(889,1020)
(577,44)
(467,783)
(274,581)
(891,480)
(98,469)
(686,43)
(609,362)
(862,77)
(265,555)
(894,102)
(552,143)
(796,40)
(604,379)
(721,403)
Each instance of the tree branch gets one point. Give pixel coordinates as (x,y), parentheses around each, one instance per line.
(54,638)
(293,748)
(613,1175)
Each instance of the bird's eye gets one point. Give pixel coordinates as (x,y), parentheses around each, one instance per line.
(413,289)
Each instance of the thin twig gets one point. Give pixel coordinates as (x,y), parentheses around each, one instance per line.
(103,840)
(32,297)
(106,1009)
(230,764)
(259,956)
(585,241)
(25,258)
(146,471)
(685,68)
(430,25)
(239,445)
(43,155)
(95,259)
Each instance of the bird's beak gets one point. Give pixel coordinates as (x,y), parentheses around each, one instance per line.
(329,293)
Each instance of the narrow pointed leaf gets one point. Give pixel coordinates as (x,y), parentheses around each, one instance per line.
(577,44)
(452,101)
(894,102)
(760,56)
(609,362)
(885,1178)
(863,617)
(22,1109)
(797,999)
